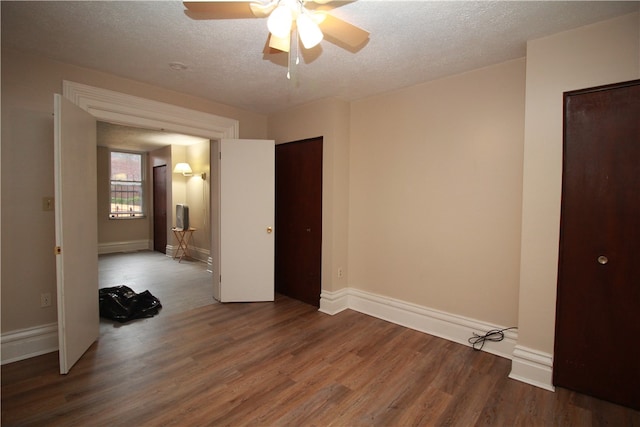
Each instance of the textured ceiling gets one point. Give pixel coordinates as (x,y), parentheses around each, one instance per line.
(411,42)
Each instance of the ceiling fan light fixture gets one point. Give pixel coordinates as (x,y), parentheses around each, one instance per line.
(310,33)
(282,44)
(279,22)
(318,16)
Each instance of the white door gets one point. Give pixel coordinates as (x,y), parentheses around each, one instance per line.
(246,209)
(76,230)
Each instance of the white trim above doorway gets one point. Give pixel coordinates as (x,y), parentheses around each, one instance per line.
(123,109)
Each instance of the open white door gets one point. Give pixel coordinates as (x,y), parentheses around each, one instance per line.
(246,209)
(76,230)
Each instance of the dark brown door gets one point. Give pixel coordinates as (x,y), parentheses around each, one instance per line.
(160,209)
(299,220)
(597,350)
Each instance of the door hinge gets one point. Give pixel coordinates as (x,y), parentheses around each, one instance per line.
(57,250)
(220,156)
(221,278)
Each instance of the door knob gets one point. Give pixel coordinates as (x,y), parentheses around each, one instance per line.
(603,259)
(269,230)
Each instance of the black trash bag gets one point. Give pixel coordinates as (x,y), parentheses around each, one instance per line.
(122,304)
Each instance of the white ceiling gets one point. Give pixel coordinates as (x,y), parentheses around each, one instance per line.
(411,42)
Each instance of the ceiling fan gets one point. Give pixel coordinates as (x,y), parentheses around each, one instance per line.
(308,18)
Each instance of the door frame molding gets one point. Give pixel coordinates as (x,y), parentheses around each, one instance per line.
(119,108)
(129,110)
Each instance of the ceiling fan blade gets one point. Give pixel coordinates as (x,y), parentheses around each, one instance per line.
(218,9)
(262,10)
(325,5)
(342,31)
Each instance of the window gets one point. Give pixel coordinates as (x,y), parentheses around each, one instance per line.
(126,185)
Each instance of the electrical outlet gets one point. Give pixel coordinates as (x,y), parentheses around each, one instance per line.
(340,272)
(45,300)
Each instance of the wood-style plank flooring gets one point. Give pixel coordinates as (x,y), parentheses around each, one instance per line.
(180,286)
(284,363)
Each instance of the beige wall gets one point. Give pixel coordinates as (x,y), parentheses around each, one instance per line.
(28,85)
(194,192)
(178,183)
(197,196)
(329,119)
(603,53)
(435,193)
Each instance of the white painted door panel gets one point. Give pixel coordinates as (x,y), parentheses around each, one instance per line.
(76,230)
(247,204)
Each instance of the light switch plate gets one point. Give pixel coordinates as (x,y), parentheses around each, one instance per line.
(48,203)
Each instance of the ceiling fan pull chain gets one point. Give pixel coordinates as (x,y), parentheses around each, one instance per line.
(289,65)
(294,45)
(297,46)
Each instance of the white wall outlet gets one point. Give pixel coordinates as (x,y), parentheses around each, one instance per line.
(45,300)
(340,272)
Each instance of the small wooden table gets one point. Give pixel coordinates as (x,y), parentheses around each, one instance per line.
(183,236)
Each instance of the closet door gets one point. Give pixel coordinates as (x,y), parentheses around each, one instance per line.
(598,316)
(299,220)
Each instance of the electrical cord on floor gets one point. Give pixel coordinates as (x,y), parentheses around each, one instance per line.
(495,335)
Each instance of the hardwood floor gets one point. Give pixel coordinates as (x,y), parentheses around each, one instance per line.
(284,363)
(179,286)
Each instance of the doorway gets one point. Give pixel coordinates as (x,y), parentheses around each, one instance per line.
(596,350)
(298,253)
(109,106)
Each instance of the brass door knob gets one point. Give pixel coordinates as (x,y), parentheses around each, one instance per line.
(603,259)
(269,230)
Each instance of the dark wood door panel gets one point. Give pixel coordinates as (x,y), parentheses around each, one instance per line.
(299,220)
(598,300)
(160,208)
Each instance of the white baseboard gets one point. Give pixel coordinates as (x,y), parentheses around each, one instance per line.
(529,366)
(200,254)
(30,342)
(128,246)
(434,322)
(334,302)
(532,367)
(196,253)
